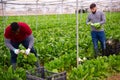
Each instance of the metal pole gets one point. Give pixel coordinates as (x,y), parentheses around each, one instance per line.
(36,14)
(62,6)
(110,9)
(77,35)
(81,7)
(2,12)
(26,17)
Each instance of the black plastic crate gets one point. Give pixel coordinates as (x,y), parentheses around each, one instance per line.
(42,74)
(112,47)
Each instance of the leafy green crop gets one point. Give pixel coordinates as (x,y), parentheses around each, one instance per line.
(9,74)
(26,61)
(55,42)
(96,69)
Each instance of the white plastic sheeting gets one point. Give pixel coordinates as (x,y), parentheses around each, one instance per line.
(56,6)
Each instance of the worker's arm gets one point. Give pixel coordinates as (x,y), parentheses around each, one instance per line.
(8,44)
(31,39)
(103,19)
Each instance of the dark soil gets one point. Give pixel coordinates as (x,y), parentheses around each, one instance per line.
(114,77)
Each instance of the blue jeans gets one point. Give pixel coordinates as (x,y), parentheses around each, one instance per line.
(25,43)
(98,36)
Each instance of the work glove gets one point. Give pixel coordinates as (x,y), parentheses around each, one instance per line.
(16,51)
(27,51)
(97,25)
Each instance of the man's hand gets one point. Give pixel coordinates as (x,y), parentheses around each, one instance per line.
(27,51)
(16,51)
(89,23)
(96,25)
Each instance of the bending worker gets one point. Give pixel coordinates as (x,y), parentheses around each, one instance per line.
(19,33)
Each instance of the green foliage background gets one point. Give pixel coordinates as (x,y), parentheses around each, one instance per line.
(55,42)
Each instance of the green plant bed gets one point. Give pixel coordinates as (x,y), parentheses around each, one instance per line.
(96,69)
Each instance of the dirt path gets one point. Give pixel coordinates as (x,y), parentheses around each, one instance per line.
(114,77)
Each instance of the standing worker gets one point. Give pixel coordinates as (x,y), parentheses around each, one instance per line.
(19,33)
(96,19)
